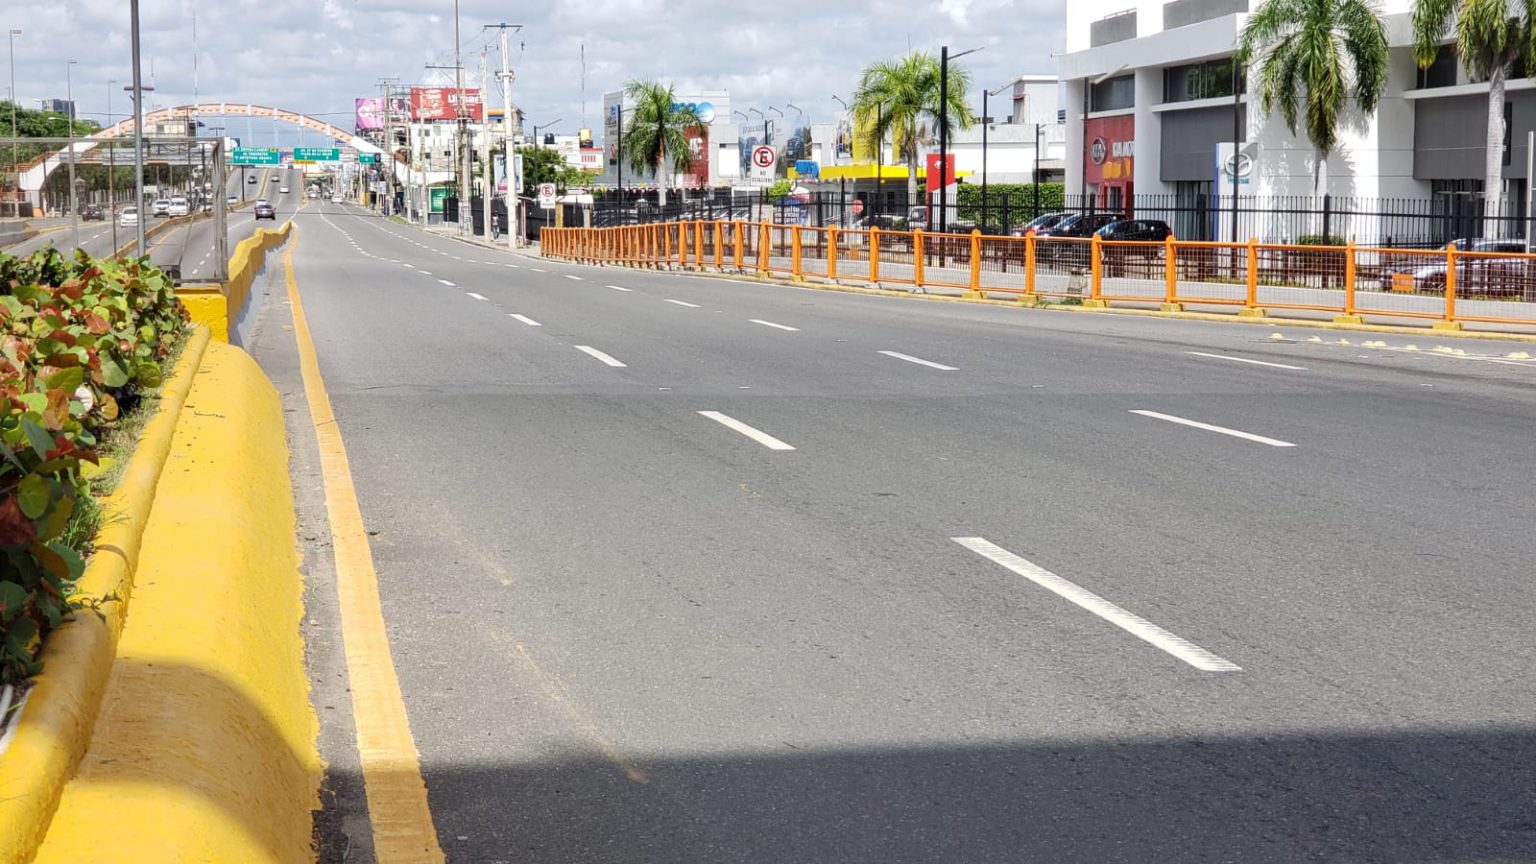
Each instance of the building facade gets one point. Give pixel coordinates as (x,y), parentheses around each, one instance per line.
(716,151)
(1154,106)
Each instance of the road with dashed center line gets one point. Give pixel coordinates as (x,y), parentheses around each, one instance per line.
(690,569)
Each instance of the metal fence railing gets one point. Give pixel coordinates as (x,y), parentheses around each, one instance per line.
(1447,286)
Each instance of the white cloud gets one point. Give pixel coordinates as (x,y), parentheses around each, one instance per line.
(317,57)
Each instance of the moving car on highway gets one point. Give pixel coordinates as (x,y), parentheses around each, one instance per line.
(161,207)
(263,210)
(178,207)
(128,218)
(93,213)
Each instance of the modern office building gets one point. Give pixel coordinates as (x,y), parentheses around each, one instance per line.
(59,106)
(1153,107)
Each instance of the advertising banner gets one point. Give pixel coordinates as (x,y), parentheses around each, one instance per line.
(442,103)
(1110,149)
(370,112)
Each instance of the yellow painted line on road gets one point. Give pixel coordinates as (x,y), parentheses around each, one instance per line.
(397,795)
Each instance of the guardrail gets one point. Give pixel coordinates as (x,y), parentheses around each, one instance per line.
(1446,287)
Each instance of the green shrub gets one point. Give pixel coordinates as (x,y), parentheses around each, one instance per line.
(1319,240)
(78,339)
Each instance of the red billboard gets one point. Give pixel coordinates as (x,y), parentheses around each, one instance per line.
(442,103)
(1109,150)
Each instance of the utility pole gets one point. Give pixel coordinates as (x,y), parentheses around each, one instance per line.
(487,171)
(74,203)
(389,145)
(511,127)
(111,169)
(465,155)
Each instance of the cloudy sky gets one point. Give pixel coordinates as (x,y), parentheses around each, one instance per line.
(315,56)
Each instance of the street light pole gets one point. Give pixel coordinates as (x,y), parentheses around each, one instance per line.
(111,170)
(74,203)
(15,159)
(138,131)
(944,59)
(986,124)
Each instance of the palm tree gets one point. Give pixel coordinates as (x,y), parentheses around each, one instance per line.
(1313,56)
(900,100)
(658,129)
(1490,35)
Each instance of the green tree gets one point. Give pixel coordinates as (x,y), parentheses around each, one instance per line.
(547,165)
(37,124)
(657,131)
(1312,57)
(1490,36)
(900,100)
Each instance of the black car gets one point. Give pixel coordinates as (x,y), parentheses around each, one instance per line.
(1079,227)
(265,211)
(93,212)
(1041,223)
(1137,260)
(1140,230)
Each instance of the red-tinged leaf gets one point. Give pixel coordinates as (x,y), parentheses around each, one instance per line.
(15,528)
(96,324)
(57,412)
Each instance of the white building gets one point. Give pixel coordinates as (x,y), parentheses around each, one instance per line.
(1022,121)
(716,152)
(1150,103)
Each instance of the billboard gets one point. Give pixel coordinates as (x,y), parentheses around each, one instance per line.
(370,112)
(442,103)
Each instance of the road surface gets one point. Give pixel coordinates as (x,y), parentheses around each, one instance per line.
(691,570)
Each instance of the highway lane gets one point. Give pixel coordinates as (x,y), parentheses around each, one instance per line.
(937,628)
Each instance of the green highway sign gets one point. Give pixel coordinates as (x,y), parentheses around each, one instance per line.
(267,156)
(316,154)
(367,158)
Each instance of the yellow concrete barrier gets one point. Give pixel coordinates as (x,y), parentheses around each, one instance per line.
(218,308)
(60,710)
(205,747)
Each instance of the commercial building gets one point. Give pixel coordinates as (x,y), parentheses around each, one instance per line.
(1026,126)
(1154,107)
(59,106)
(716,150)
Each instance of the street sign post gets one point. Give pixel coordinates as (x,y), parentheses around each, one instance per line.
(547,196)
(763,157)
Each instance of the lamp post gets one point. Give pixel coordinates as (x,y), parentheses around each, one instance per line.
(138,130)
(944,58)
(74,202)
(15,159)
(986,124)
(111,169)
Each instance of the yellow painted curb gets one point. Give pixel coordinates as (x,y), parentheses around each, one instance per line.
(1022,301)
(55,724)
(204,749)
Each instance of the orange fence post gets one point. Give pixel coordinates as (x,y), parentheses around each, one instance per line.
(874,255)
(975,293)
(1095,273)
(796,263)
(919,256)
(737,257)
(1251,302)
(698,244)
(719,249)
(832,253)
(1450,322)
(682,244)
(1029,265)
(1349,316)
(1171,275)
(764,247)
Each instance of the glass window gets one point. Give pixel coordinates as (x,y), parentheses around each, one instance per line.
(1114,94)
(1442,72)
(1209,80)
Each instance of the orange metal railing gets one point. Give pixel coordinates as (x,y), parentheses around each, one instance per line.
(1447,286)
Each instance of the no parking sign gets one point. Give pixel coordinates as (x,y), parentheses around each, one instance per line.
(763,157)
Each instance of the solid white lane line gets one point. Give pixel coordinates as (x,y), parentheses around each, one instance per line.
(778,326)
(617,288)
(573,278)
(1246,360)
(919,361)
(588,349)
(446,282)
(681,303)
(757,435)
(1195,424)
(474,295)
(526,320)
(1131,623)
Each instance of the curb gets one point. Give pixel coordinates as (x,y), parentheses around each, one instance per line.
(1400,330)
(53,726)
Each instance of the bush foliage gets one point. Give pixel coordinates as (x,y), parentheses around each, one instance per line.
(79,340)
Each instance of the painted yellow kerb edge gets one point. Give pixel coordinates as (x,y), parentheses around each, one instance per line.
(59,714)
(397,796)
(204,748)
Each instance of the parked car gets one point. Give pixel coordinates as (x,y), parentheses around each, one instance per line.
(93,213)
(128,218)
(263,210)
(178,207)
(1041,223)
(1136,230)
(1500,269)
(1134,260)
(1080,226)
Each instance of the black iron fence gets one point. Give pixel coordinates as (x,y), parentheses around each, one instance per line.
(1396,222)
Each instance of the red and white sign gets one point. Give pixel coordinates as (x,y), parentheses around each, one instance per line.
(763,157)
(1109,148)
(442,103)
(940,179)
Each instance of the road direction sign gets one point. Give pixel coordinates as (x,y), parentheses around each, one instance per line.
(763,157)
(316,154)
(547,196)
(269,156)
(367,158)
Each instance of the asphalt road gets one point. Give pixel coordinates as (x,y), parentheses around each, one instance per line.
(191,246)
(981,611)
